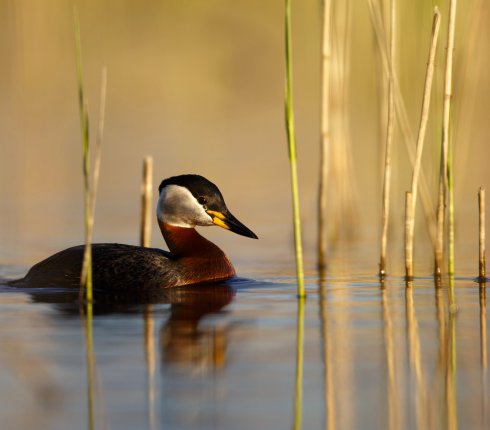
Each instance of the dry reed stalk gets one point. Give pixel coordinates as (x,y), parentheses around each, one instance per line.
(424,117)
(289,117)
(385,211)
(481,235)
(409,220)
(146,191)
(402,117)
(325,134)
(445,175)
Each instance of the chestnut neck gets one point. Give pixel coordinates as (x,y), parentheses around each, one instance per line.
(187,242)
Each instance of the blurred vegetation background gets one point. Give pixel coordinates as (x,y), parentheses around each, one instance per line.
(200,87)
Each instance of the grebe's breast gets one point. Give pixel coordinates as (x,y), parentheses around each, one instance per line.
(117,266)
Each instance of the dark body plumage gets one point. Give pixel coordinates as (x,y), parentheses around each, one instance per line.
(117,266)
(189,200)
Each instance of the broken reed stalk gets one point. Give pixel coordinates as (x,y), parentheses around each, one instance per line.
(325,134)
(446,172)
(292,151)
(424,117)
(481,235)
(385,211)
(146,191)
(409,220)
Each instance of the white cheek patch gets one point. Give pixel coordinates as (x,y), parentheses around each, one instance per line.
(178,207)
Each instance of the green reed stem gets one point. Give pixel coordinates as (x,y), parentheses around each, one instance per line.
(298,396)
(292,153)
(446,174)
(86,276)
(450,189)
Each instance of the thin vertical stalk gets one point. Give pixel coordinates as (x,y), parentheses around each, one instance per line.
(385,211)
(409,220)
(292,152)
(424,117)
(481,235)
(98,147)
(146,191)
(446,173)
(450,212)
(298,397)
(90,183)
(86,275)
(325,134)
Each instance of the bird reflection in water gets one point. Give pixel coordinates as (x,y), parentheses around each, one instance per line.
(182,340)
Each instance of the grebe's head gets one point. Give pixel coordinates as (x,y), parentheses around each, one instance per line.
(192,200)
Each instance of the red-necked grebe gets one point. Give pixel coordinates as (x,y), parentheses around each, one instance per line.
(184,202)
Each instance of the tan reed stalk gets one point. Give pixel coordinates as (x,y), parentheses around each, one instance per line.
(146,191)
(325,134)
(289,111)
(145,236)
(424,117)
(385,211)
(409,220)
(446,172)
(402,116)
(481,235)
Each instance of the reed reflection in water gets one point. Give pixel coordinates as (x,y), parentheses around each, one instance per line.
(424,387)
(376,355)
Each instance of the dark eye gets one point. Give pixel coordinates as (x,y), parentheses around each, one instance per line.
(202,200)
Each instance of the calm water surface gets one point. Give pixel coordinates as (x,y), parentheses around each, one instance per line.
(375,356)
